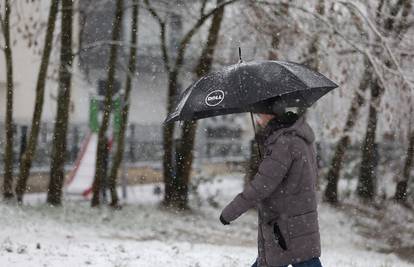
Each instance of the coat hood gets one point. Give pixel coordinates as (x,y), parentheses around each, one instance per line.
(300,128)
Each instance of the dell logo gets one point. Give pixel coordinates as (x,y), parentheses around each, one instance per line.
(214,98)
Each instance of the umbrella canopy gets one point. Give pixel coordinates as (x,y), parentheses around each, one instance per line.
(251,87)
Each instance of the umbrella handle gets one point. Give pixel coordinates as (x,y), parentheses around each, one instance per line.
(255,136)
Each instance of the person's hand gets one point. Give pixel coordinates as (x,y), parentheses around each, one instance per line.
(223,221)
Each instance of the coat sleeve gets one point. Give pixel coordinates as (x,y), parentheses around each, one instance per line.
(271,172)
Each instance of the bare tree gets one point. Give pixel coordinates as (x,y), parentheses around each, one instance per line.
(331,190)
(372,79)
(189,128)
(26,160)
(172,185)
(118,157)
(8,153)
(109,88)
(366,181)
(366,184)
(58,156)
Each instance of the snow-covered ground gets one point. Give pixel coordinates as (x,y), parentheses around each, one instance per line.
(142,234)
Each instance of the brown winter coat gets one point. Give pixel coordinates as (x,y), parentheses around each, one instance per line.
(283,189)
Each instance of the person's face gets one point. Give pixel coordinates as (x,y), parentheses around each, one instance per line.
(262,119)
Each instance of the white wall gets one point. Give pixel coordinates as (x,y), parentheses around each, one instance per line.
(26,62)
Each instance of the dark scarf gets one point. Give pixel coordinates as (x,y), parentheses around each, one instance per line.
(278,122)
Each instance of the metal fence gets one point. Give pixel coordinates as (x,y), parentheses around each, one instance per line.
(143,145)
(41,159)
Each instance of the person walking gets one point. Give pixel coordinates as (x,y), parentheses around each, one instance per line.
(283,189)
(284,192)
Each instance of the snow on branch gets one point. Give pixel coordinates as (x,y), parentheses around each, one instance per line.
(383,42)
(361,49)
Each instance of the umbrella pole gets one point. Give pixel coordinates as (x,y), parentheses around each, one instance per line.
(255,136)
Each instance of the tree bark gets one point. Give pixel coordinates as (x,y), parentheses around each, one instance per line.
(26,160)
(366,184)
(189,128)
(8,153)
(402,186)
(100,154)
(331,190)
(168,135)
(125,107)
(58,157)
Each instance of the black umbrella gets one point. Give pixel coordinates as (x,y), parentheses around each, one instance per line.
(253,86)
(256,86)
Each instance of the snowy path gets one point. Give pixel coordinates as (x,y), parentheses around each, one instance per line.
(143,235)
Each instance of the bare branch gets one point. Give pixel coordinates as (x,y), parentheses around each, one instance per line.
(102,43)
(362,50)
(393,71)
(153,12)
(214,10)
(203,7)
(383,41)
(163,39)
(337,32)
(187,37)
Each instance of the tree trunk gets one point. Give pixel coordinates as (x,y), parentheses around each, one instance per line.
(401,189)
(167,129)
(168,135)
(367,177)
(331,190)
(58,156)
(173,71)
(8,153)
(179,187)
(125,107)
(100,154)
(185,149)
(26,160)
(366,182)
